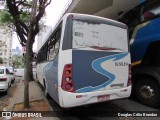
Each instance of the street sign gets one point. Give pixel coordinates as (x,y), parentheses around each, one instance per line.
(24,49)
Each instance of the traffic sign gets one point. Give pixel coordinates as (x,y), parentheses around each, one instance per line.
(24,49)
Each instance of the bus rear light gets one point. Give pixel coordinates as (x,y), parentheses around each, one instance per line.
(67,82)
(70,16)
(67,72)
(68,79)
(129,76)
(69,86)
(3,79)
(129,82)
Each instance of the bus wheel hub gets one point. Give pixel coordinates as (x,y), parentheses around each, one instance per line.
(147,92)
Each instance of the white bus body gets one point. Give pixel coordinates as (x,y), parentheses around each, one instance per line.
(85,60)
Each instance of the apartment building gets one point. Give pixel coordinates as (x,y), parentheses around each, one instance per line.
(5,45)
(2,4)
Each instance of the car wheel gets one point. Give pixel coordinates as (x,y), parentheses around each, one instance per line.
(147,91)
(5,92)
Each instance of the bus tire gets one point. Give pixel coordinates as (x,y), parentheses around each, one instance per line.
(45,90)
(147,91)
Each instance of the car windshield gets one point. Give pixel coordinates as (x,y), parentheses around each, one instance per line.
(1,71)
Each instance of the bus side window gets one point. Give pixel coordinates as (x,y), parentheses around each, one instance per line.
(132,20)
(58,35)
(45,51)
(148,16)
(52,48)
(48,50)
(150,11)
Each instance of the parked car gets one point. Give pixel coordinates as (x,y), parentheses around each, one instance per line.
(5,79)
(12,73)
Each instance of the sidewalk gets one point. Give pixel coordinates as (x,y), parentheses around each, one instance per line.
(37,100)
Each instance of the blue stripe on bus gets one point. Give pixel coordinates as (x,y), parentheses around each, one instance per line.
(96,64)
(83,73)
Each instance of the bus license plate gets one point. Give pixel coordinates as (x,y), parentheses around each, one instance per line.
(103,98)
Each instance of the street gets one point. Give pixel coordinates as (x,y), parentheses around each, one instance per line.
(91,112)
(102,110)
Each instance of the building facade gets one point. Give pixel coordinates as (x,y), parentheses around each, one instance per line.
(16,51)
(2,4)
(6,45)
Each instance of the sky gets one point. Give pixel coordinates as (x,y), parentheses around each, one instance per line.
(53,13)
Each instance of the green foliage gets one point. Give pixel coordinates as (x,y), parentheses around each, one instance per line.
(24,17)
(18,61)
(1,60)
(5,18)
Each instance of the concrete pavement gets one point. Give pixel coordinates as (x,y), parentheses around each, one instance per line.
(35,95)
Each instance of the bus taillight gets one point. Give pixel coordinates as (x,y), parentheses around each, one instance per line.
(67,82)
(70,16)
(129,76)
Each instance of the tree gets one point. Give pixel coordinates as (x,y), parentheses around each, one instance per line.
(24,17)
(1,60)
(18,61)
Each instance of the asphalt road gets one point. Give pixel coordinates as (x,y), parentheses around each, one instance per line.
(103,110)
(91,112)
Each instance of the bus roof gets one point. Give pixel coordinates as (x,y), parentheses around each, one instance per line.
(98,19)
(86,17)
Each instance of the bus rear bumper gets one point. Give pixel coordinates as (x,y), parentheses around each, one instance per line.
(69,99)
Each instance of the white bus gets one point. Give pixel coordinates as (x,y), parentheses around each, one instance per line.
(85,60)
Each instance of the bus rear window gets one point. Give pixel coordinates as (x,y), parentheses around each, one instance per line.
(87,34)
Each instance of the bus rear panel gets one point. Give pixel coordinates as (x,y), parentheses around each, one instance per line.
(93,61)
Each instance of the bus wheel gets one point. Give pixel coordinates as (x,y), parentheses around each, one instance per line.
(45,90)
(147,91)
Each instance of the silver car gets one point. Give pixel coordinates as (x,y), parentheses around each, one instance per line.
(12,73)
(5,79)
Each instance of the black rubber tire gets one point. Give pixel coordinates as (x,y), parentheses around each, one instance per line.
(5,92)
(155,100)
(45,91)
